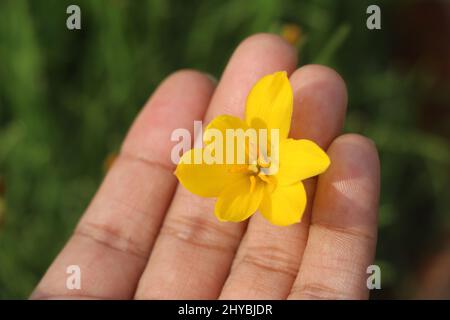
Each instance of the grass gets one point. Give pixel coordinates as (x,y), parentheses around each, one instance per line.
(68,97)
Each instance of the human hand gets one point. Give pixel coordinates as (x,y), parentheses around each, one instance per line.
(144,236)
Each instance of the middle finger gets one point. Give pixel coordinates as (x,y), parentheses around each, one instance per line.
(194,251)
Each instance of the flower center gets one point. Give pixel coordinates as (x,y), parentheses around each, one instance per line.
(259,171)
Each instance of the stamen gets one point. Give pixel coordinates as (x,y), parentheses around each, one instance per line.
(263,163)
(264,178)
(270,180)
(253,168)
(252,183)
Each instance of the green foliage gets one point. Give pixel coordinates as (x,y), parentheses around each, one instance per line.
(68,97)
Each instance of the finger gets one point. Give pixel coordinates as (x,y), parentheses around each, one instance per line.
(342,236)
(112,242)
(194,251)
(269,256)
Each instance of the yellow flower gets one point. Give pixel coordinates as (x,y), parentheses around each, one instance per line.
(271,185)
(292,33)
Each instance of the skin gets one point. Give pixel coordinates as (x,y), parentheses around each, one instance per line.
(144,236)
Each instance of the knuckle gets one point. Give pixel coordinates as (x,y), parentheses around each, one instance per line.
(315,291)
(344,233)
(111,237)
(271,260)
(200,232)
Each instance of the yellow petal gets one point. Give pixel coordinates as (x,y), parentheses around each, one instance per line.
(299,160)
(270,101)
(234,140)
(206,180)
(285,205)
(224,122)
(239,200)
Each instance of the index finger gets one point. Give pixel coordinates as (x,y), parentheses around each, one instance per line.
(113,240)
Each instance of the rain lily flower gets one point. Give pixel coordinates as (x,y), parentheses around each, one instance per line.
(273,185)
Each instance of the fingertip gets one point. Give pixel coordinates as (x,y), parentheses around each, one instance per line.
(320,103)
(319,75)
(359,152)
(355,138)
(190,78)
(349,189)
(255,57)
(272,44)
(322,72)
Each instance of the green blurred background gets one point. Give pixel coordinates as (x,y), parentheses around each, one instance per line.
(68,97)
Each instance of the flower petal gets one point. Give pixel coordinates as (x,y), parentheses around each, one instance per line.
(224,122)
(206,180)
(271,102)
(285,205)
(299,160)
(234,144)
(239,200)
